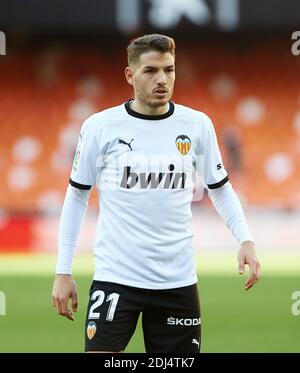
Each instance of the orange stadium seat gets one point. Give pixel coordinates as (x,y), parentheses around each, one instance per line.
(252,90)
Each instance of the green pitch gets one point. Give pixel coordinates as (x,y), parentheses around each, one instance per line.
(232,320)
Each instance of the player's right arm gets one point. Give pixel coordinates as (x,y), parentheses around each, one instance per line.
(83,177)
(64,288)
(72,216)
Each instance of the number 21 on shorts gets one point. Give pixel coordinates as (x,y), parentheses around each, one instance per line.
(99,297)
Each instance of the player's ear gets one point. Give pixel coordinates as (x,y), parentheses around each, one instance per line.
(129,75)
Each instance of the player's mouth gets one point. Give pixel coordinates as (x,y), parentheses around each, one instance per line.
(160,92)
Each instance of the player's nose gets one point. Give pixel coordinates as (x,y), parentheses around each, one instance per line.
(161,78)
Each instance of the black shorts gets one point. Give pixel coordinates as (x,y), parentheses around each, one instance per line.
(170,318)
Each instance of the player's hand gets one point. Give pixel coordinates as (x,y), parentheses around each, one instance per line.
(247,256)
(64,288)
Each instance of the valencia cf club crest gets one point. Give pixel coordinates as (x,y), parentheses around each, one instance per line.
(183,143)
(91,329)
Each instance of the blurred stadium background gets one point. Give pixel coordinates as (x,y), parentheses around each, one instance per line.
(64,61)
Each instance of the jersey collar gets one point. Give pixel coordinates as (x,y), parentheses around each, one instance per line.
(149,117)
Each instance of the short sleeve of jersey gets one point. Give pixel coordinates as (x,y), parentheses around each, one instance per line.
(215,174)
(84,169)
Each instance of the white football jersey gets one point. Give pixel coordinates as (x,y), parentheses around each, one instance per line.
(144,168)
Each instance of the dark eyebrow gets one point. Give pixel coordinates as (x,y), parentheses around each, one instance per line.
(154,67)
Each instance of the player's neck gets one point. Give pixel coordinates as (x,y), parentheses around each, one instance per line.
(141,108)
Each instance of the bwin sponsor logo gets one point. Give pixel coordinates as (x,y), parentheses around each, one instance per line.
(168,180)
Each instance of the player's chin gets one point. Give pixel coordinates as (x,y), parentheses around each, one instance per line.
(160,101)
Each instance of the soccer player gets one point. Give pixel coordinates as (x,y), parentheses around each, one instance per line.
(140,155)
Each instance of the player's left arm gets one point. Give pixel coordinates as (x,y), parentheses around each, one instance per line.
(247,256)
(227,203)
(230,210)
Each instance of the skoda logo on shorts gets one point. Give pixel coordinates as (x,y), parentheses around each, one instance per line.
(183,322)
(91,329)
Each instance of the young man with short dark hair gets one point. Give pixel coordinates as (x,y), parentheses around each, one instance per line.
(142,156)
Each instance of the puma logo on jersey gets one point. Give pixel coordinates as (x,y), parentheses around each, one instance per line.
(126,143)
(168,180)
